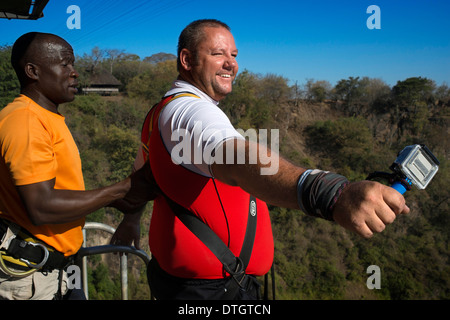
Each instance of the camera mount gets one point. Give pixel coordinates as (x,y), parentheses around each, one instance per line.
(415,165)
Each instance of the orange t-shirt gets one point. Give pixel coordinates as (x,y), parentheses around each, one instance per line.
(37,146)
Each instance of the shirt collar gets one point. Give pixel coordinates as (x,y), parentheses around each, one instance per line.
(181,85)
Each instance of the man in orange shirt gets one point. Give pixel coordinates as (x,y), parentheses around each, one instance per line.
(42,194)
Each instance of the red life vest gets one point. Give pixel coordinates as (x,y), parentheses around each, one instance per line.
(177,250)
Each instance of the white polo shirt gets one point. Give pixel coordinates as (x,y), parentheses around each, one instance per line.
(192,128)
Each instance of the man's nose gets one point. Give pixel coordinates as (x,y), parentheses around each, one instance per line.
(74,74)
(230,63)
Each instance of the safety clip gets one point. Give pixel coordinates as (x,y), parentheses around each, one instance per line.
(40,264)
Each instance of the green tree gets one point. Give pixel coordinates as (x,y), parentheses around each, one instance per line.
(411,98)
(153,83)
(127,68)
(442,93)
(101,286)
(273,88)
(120,145)
(413,90)
(9,84)
(317,90)
(348,90)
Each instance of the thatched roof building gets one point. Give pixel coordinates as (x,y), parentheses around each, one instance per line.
(102,83)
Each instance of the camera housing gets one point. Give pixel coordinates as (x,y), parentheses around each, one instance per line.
(416,163)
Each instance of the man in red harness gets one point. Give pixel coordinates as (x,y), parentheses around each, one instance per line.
(194,154)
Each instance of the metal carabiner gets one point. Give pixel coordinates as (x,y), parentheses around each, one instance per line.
(40,264)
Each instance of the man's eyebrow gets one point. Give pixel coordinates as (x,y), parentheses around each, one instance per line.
(223,49)
(67,54)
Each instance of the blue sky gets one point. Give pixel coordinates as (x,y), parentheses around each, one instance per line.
(320,40)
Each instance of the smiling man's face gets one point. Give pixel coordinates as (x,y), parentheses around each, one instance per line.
(214,65)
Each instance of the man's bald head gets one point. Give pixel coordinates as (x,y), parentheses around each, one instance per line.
(35,47)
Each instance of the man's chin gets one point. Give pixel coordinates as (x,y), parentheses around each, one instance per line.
(221,96)
(69,98)
(222,92)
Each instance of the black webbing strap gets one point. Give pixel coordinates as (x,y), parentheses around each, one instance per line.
(233,265)
(250,232)
(213,242)
(205,235)
(21,249)
(33,253)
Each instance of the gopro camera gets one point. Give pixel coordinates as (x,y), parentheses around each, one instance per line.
(414,164)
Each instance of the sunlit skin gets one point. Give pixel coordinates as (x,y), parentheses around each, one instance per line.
(213,67)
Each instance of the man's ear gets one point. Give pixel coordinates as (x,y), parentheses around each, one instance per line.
(32,71)
(186,59)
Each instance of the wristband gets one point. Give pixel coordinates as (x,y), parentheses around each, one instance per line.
(318,191)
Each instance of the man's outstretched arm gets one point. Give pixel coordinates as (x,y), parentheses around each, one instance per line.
(364,207)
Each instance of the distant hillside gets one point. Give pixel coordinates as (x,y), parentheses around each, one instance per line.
(160,57)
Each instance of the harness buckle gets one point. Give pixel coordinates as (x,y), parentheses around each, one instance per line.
(40,264)
(239,273)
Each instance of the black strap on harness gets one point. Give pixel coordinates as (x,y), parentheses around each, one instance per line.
(235,266)
(23,250)
(35,255)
